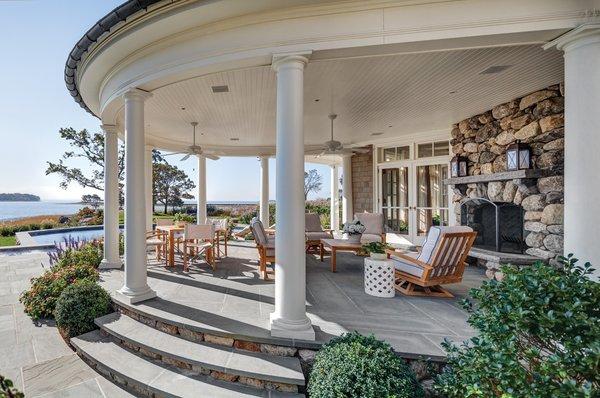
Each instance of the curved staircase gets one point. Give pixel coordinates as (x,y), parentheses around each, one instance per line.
(150,357)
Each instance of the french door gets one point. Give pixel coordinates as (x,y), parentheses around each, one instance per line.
(412,198)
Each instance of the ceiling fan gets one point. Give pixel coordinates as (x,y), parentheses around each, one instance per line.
(333,147)
(194,149)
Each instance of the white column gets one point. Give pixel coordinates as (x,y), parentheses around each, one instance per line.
(148,187)
(111,198)
(581,48)
(136,287)
(264,191)
(335,199)
(348,212)
(201,196)
(289,319)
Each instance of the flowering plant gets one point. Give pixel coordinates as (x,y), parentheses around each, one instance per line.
(354,227)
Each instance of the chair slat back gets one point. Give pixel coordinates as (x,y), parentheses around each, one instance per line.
(258,230)
(312,223)
(451,253)
(199,231)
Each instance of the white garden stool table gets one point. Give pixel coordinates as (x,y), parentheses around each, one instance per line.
(379,277)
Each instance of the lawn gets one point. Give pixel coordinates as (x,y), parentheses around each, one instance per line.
(8,241)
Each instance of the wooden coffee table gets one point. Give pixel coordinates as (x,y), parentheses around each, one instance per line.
(338,245)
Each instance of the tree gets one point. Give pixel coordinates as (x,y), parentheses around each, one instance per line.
(312,182)
(171,185)
(92,200)
(89,147)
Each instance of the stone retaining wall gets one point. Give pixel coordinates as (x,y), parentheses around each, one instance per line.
(536,119)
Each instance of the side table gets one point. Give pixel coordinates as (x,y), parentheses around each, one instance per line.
(379,278)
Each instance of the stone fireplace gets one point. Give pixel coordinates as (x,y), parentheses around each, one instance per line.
(530,201)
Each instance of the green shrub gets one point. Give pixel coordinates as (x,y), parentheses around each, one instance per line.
(7,389)
(40,300)
(34,227)
(78,306)
(6,230)
(73,252)
(359,366)
(538,336)
(47,224)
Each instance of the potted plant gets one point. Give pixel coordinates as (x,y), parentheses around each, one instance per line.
(353,230)
(376,250)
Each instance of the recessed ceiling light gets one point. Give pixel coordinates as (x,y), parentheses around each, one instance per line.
(234,139)
(317,100)
(452,92)
(220,89)
(494,69)
(183,108)
(390,126)
(377,133)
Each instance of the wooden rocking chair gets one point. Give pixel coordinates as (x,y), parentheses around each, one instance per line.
(441,261)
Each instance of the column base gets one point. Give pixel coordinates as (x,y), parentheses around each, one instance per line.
(106,264)
(129,296)
(292,330)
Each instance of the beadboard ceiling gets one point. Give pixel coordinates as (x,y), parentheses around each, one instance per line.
(393,94)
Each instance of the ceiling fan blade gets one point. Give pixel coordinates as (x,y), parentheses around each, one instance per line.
(361,150)
(186,157)
(212,157)
(173,153)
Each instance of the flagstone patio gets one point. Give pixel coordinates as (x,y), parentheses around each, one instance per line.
(234,301)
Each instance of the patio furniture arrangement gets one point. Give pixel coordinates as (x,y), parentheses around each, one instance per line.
(265,245)
(157,240)
(338,245)
(379,278)
(197,240)
(374,227)
(221,235)
(314,232)
(441,261)
(171,231)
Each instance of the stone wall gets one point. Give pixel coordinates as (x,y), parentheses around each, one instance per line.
(536,119)
(362,182)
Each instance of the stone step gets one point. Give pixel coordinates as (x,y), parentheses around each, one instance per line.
(203,355)
(153,378)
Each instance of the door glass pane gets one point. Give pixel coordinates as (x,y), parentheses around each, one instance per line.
(394,200)
(441,148)
(425,150)
(389,154)
(432,197)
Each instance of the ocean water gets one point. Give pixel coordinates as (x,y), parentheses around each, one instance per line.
(13,210)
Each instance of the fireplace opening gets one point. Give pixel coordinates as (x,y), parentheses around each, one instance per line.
(499,226)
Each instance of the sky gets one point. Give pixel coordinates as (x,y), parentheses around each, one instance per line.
(36,37)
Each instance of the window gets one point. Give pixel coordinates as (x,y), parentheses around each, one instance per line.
(429,149)
(393,153)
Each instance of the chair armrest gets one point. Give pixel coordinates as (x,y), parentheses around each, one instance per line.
(408,259)
(269,231)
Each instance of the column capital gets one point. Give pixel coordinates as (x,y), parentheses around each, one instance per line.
(290,60)
(136,94)
(109,128)
(584,34)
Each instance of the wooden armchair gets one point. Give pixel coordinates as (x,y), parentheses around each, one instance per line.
(197,240)
(265,245)
(314,232)
(157,240)
(441,261)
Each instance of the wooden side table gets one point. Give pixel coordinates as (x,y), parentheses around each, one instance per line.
(379,278)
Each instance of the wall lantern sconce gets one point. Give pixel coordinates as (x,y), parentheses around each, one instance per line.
(518,156)
(458,166)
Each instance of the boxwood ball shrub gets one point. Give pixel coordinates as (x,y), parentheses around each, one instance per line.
(78,306)
(361,366)
(538,336)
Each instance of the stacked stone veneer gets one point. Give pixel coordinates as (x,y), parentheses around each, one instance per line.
(362,182)
(536,119)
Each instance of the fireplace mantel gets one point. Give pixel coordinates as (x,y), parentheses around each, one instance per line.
(502,176)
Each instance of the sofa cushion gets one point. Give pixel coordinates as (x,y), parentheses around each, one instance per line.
(260,236)
(405,266)
(312,223)
(317,235)
(368,238)
(373,222)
